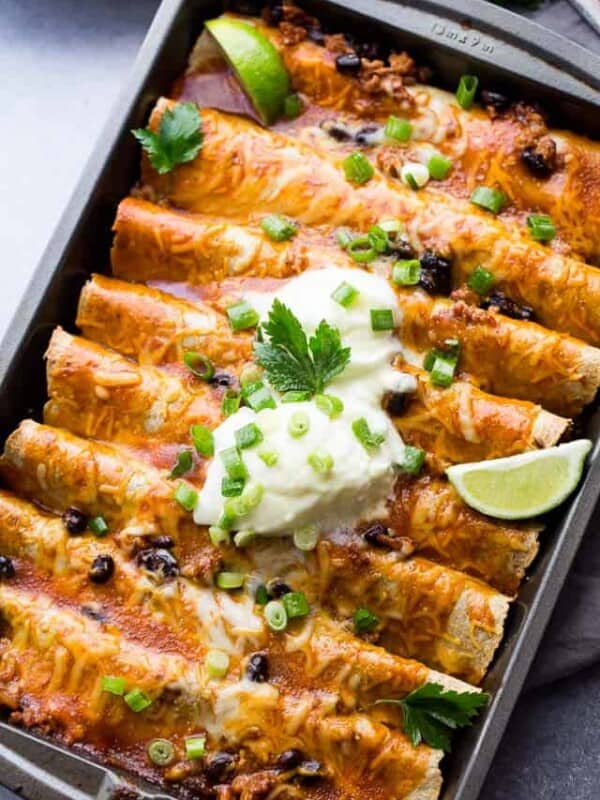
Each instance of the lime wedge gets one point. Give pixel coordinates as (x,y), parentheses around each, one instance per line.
(521,486)
(256,63)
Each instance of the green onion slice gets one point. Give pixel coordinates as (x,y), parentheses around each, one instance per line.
(378,238)
(161,752)
(292,106)
(244,538)
(541,227)
(295,604)
(230,403)
(364,620)
(183,463)
(439,167)
(329,404)
(251,373)
(345,294)
(195,747)
(299,424)
(491,199)
(407,272)
(269,457)
(230,580)
(391,226)
(397,128)
(442,372)
(186,497)
(248,436)
(276,616)
(232,487)
(203,440)
(368,439)
(201,366)
(260,398)
(481,280)
(113,685)
(277,227)
(413,460)
(357,168)
(466,91)
(137,700)
(361,250)
(218,536)
(382,319)
(262,595)
(98,526)
(242,316)
(234,466)
(306,538)
(321,462)
(216,663)
(294,396)
(343,237)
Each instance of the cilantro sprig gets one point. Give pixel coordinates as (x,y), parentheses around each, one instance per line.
(178,140)
(293,362)
(431,713)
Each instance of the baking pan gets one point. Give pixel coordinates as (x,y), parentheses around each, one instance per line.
(452,36)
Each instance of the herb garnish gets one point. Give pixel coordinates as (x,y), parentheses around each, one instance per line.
(431,713)
(178,140)
(293,362)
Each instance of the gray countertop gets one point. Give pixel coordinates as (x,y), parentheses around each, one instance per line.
(62,63)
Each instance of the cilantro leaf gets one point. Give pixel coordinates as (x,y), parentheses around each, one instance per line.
(178,140)
(291,361)
(431,713)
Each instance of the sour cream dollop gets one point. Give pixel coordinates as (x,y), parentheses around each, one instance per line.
(360,480)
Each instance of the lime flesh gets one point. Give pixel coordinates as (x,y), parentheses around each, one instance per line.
(256,63)
(522,486)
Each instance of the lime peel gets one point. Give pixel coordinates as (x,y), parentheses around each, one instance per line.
(521,486)
(257,64)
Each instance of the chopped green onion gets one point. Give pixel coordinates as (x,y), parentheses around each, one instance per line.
(276,616)
(320,461)
(232,461)
(414,174)
(442,372)
(201,366)
(232,487)
(295,604)
(541,227)
(183,464)
(391,225)
(466,91)
(329,404)
(306,538)
(195,747)
(203,440)
(364,620)
(251,497)
(382,319)
(407,272)
(277,228)
(260,398)
(343,237)
(412,461)
(251,373)
(295,397)
(491,199)
(410,180)
(269,457)
(113,685)
(397,128)
(250,387)
(137,700)
(230,580)
(161,752)
(248,436)
(357,168)
(298,424)
(345,294)
(361,250)
(439,167)
(98,526)
(480,280)
(262,595)
(230,403)
(216,663)
(242,316)
(368,439)
(218,536)
(186,497)
(292,106)
(378,238)
(243,538)
(227,519)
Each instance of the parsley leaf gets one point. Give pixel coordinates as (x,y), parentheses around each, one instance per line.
(431,713)
(291,361)
(178,140)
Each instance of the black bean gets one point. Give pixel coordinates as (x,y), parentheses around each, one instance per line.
(336,130)
(401,248)
(508,307)
(395,403)
(223,379)
(536,162)
(309,770)
(374,51)
(7,568)
(164,542)
(102,569)
(365,135)
(257,668)
(94,612)
(348,63)
(219,766)
(74,520)
(290,759)
(275,12)
(158,561)
(277,588)
(436,275)
(497,100)
(375,533)
(316,35)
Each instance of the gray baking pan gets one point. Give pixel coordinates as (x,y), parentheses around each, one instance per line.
(452,36)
